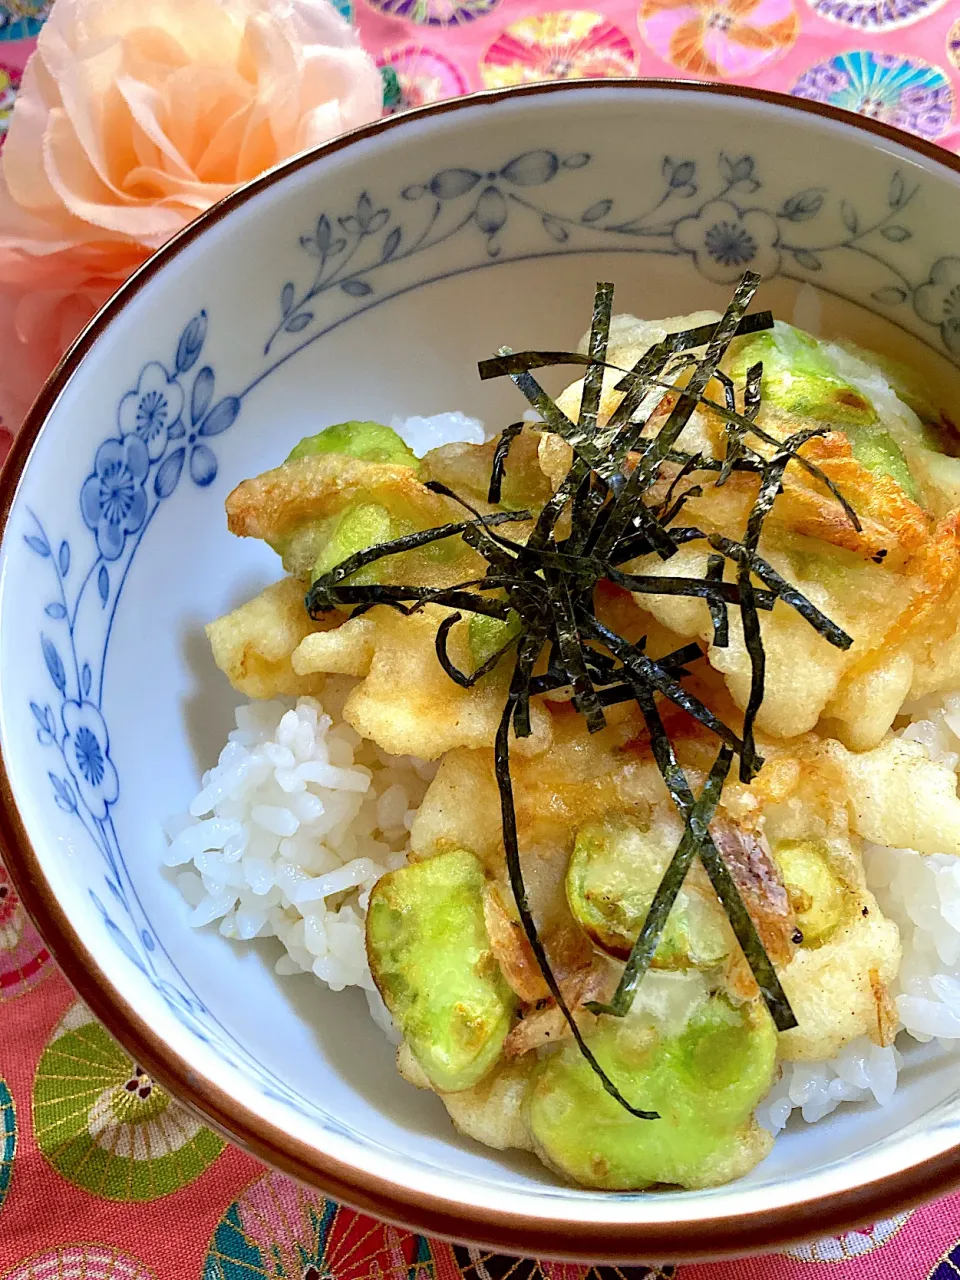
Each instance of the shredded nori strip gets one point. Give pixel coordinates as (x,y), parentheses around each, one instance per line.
(628,502)
(323,597)
(523,361)
(723,883)
(507,437)
(459,677)
(547,583)
(750,761)
(718,612)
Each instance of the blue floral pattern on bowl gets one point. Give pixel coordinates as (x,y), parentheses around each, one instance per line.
(113,499)
(151,409)
(716,217)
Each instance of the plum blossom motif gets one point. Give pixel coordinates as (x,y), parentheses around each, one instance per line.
(152,409)
(86,752)
(726,241)
(112,500)
(937,301)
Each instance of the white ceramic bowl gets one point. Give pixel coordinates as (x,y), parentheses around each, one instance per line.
(361,281)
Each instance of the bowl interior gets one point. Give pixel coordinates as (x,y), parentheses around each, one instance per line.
(460,232)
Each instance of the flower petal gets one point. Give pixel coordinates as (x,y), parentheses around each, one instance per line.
(110,786)
(110,539)
(135,457)
(761,226)
(719,272)
(83,195)
(110,453)
(90,501)
(155,438)
(688,234)
(127,413)
(946,271)
(71,713)
(203,465)
(137,512)
(146,104)
(153,377)
(491,211)
(928,303)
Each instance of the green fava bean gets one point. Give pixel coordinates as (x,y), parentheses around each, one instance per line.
(355,529)
(371,441)
(488,635)
(614,871)
(798,377)
(431,959)
(818,896)
(876,449)
(704,1083)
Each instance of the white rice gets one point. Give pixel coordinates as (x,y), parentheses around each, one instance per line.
(423,434)
(859,1072)
(290,831)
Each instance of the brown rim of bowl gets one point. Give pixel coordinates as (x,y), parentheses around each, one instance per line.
(507,1232)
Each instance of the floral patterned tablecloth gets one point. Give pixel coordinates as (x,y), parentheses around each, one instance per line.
(102,1175)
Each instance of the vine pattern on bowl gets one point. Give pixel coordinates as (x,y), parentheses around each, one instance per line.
(717,219)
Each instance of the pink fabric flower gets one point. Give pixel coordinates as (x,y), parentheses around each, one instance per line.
(133,119)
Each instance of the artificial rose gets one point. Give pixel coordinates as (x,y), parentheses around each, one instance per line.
(134,118)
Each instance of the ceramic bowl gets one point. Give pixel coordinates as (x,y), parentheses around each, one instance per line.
(361,281)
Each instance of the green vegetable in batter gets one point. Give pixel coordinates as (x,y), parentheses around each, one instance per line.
(355,529)
(704,1083)
(819,898)
(370,441)
(431,959)
(798,377)
(612,877)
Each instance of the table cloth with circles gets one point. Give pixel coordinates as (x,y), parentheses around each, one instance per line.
(102,1175)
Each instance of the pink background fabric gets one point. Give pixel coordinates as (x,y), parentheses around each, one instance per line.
(82,1202)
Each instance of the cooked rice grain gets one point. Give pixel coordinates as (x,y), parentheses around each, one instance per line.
(289,833)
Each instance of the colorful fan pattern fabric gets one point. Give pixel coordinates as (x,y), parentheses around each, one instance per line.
(103,1176)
